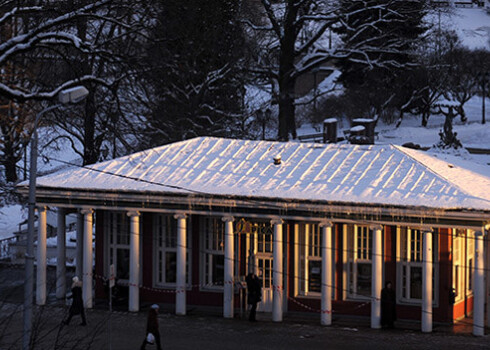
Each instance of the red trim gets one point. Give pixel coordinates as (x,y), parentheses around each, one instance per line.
(99,252)
(339,249)
(444,313)
(390,255)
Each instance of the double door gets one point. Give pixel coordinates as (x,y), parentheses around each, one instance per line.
(261,262)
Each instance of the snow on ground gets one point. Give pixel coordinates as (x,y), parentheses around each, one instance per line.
(472,134)
(471,24)
(71,240)
(10,216)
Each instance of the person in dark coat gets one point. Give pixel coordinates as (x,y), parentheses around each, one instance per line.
(388,306)
(76,307)
(254,288)
(152,327)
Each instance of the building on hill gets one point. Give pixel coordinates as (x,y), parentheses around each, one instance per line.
(323,225)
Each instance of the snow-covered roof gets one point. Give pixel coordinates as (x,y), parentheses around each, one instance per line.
(371,174)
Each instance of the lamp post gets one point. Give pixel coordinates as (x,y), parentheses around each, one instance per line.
(68,96)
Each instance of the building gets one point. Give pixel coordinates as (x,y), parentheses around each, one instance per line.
(323,225)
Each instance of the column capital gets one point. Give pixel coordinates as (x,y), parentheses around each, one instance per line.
(86,211)
(180,216)
(133,213)
(228,218)
(376,227)
(326,223)
(277,221)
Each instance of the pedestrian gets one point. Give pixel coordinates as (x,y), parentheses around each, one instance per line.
(388,306)
(254,288)
(152,327)
(76,307)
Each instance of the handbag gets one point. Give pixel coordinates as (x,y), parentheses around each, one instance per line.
(150,338)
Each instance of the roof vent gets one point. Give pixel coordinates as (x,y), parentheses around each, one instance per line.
(277,159)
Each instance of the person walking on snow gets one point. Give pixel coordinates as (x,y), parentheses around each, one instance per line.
(76,307)
(152,327)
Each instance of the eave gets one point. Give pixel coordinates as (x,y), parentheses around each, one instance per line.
(241,206)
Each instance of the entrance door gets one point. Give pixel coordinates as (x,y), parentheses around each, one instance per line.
(259,254)
(265,270)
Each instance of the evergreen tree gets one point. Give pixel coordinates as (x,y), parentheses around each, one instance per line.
(389,31)
(194,69)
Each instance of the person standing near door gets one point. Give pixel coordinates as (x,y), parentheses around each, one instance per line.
(388,306)
(254,288)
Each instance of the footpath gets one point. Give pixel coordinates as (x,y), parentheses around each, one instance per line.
(205,328)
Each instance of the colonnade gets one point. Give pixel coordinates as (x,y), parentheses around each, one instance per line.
(84,265)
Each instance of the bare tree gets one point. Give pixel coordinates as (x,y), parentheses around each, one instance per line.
(296,36)
(57,45)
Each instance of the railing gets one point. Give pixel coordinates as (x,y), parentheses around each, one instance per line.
(5,247)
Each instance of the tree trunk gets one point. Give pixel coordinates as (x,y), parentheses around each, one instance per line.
(89,148)
(462,113)
(425,119)
(287,123)
(9,160)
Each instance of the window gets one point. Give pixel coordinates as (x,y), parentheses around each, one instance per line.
(117,231)
(470,256)
(410,261)
(165,237)
(311,260)
(458,263)
(212,233)
(359,261)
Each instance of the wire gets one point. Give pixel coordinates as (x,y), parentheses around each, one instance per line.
(288,242)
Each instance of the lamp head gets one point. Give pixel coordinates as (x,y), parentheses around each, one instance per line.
(73,95)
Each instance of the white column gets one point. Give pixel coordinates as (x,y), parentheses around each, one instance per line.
(487,276)
(134,261)
(427,282)
(41,257)
(79,249)
(296,258)
(306,280)
(180,302)
(376,275)
(88,257)
(61,255)
(228,278)
(326,312)
(479,288)
(277,297)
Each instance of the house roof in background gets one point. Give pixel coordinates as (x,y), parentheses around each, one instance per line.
(369,174)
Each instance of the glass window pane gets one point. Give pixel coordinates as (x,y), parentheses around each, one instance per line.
(122,264)
(364,279)
(315,276)
(415,282)
(218,269)
(170,267)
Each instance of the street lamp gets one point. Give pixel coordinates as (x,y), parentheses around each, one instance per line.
(68,96)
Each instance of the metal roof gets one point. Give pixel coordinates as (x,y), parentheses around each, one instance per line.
(368,174)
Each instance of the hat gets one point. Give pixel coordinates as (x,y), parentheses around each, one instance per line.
(75,279)
(155,306)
